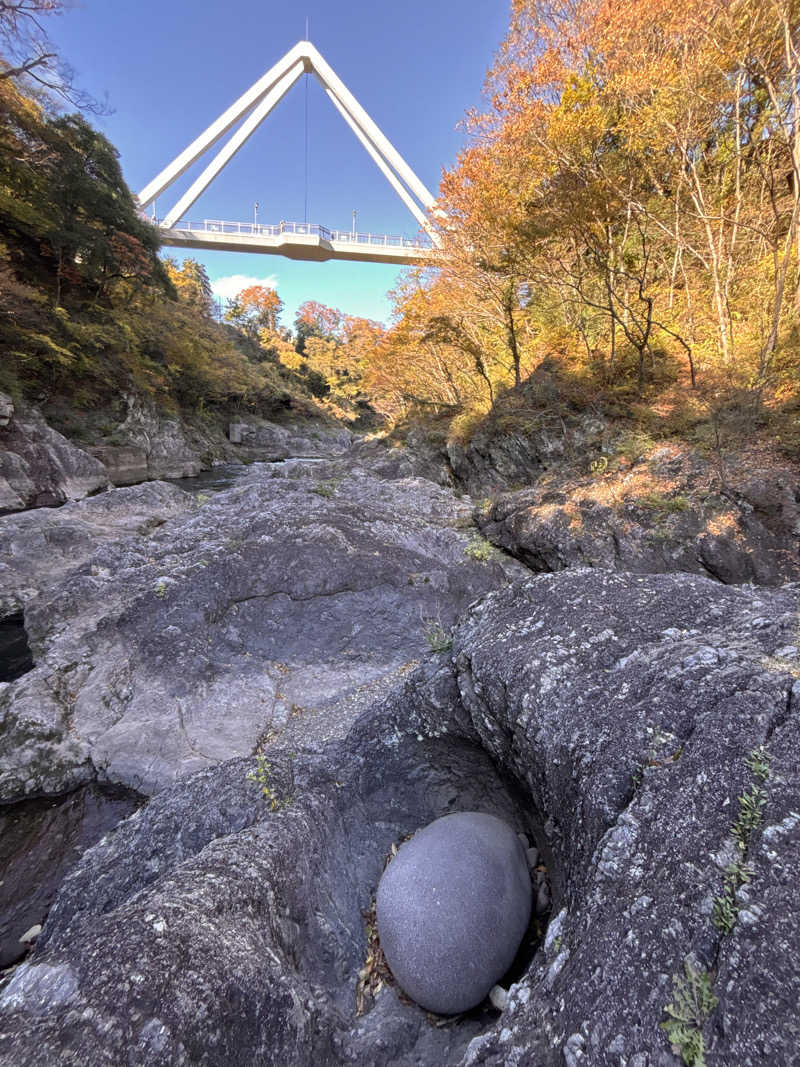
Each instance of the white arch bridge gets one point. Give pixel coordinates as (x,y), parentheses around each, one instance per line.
(305,241)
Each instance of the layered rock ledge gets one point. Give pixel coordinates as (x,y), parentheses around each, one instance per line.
(281,607)
(38,466)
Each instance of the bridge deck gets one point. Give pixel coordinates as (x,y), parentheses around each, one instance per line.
(296,240)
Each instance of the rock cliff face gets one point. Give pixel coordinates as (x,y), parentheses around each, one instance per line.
(39,467)
(151,445)
(669,512)
(498,458)
(643,730)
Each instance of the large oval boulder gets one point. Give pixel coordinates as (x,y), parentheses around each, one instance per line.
(452,910)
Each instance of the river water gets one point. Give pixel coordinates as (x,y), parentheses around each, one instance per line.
(226,475)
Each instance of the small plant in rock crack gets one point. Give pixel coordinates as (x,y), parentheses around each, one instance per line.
(439,639)
(758,763)
(725,912)
(692,1002)
(262,775)
(749,818)
(479,549)
(753,802)
(438,636)
(751,807)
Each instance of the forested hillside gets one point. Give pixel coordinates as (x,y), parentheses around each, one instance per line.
(87,308)
(628,209)
(625,217)
(89,311)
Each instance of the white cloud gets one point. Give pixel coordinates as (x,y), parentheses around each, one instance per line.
(228,288)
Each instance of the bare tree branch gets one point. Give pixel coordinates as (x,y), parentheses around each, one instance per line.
(26,54)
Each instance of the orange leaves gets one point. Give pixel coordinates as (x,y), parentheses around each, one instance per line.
(638,170)
(131,258)
(262,304)
(322,318)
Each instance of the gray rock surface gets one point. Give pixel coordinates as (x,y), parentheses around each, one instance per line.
(39,467)
(295,439)
(416,457)
(620,721)
(667,513)
(211,929)
(6,409)
(149,444)
(630,708)
(40,841)
(40,547)
(452,909)
(281,607)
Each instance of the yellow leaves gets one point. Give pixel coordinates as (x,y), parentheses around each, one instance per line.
(632,171)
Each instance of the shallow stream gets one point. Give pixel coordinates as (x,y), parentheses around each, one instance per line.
(226,475)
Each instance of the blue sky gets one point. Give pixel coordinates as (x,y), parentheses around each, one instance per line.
(170,67)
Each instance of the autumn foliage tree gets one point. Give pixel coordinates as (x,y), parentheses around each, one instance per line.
(314,319)
(332,349)
(254,309)
(629,202)
(191,283)
(88,310)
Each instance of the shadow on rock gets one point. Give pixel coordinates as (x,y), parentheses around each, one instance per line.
(219,927)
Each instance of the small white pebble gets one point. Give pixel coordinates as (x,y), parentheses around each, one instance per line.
(32,934)
(498,997)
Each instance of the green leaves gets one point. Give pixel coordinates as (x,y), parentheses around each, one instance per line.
(692,1002)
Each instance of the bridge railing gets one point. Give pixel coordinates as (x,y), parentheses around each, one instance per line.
(302,229)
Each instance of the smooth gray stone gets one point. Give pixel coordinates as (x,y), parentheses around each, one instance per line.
(452,907)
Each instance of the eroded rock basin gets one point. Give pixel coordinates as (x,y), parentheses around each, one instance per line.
(625,722)
(251,912)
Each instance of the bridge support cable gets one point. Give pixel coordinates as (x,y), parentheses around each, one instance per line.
(218,129)
(329,80)
(305,200)
(226,154)
(382,165)
(256,104)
